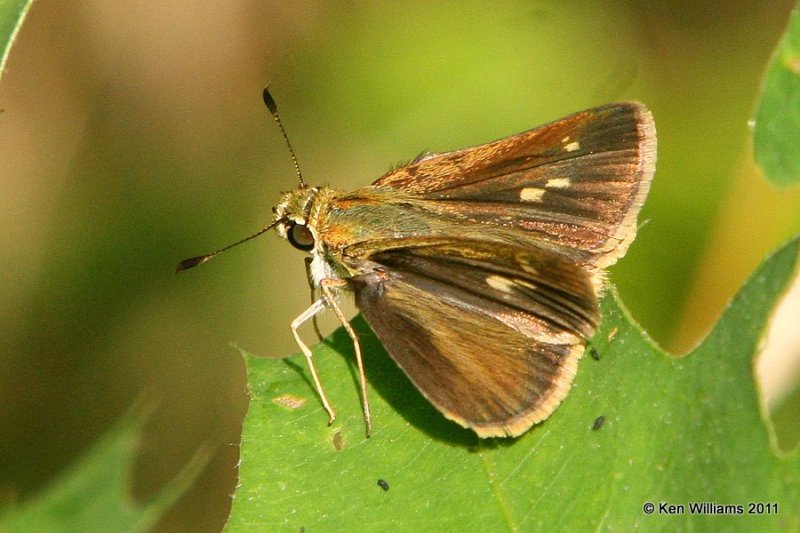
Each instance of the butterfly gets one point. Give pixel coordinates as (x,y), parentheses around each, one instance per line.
(479,269)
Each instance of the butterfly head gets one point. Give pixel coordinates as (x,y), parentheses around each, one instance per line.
(293,217)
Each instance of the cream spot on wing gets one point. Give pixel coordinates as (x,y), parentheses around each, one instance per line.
(500,283)
(571,147)
(524,283)
(565,140)
(531,194)
(524,264)
(558,183)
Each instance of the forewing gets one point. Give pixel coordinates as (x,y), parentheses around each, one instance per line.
(577,183)
(490,336)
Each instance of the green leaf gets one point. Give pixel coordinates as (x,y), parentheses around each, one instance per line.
(12,13)
(676,431)
(776,139)
(93,493)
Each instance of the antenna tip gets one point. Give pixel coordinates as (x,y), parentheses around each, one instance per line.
(192,262)
(270,101)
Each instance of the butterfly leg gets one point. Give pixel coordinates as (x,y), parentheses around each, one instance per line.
(328,285)
(314,295)
(311,312)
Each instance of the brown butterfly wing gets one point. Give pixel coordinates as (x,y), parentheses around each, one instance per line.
(490,335)
(577,183)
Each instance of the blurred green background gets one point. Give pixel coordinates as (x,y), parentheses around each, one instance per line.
(133,135)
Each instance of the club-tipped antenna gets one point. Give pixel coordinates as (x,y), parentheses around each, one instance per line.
(273,109)
(192,262)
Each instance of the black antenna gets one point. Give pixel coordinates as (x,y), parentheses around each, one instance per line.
(273,109)
(192,262)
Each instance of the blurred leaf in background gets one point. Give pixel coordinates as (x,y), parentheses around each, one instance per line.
(93,494)
(12,14)
(776,139)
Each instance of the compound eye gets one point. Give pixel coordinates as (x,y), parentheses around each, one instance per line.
(300,237)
